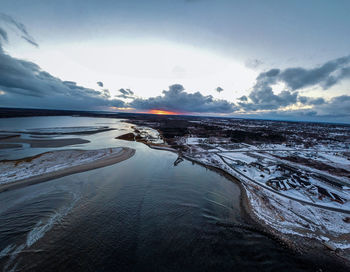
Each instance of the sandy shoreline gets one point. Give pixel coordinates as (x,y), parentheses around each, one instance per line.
(44,143)
(124,154)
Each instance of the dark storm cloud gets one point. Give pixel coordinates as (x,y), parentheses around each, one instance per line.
(336,106)
(25,77)
(25,84)
(337,109)
(106,93)
(219,89)
(29,41)
(243,98)
(3,35)
(311,101)
(21,79)
(262,96)
(18,26)
(177,99)
(326,75)
(99,83)
(265,99)
(125,93)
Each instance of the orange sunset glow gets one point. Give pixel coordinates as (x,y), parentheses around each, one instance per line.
(162,112)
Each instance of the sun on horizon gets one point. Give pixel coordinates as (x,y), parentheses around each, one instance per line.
(163,112)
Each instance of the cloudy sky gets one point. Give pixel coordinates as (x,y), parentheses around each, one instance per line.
(262,59)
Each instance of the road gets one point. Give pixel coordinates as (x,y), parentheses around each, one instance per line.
(283,195)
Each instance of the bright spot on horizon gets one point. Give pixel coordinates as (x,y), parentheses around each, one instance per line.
(163,112)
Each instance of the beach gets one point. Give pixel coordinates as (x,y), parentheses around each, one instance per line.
(32,170)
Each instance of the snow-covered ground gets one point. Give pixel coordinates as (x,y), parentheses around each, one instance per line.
(299,211)
(271,172)
(291,217)
(194,140)
(149,134)
(11,171)
(240,156)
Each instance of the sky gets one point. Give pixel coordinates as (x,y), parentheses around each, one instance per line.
(262,59)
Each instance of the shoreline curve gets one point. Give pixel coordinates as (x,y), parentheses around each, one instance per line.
(298,245)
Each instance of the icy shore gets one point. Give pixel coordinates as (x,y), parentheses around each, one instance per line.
(54,164)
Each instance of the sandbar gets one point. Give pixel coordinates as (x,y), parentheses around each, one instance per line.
(7,146)
(44,143)
(51,165)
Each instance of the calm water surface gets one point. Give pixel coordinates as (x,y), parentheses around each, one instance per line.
(143,214)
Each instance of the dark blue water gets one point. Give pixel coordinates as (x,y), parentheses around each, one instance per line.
(143,214)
